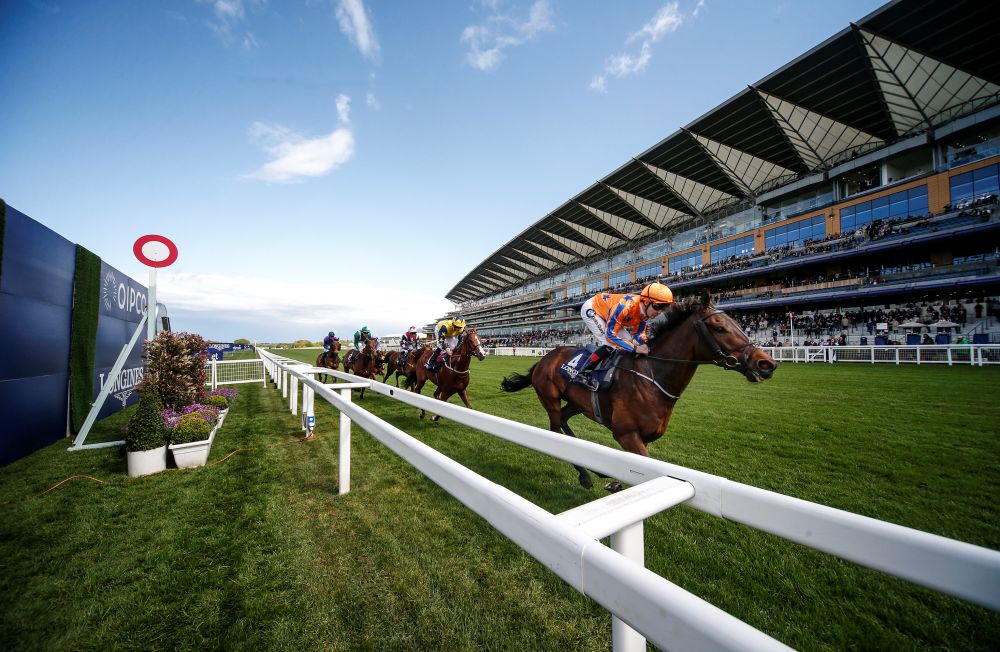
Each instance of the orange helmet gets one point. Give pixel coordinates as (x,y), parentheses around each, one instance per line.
(656,293)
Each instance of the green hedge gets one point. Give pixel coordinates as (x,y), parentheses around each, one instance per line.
(83,339)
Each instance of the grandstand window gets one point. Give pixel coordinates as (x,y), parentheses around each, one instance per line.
(880,208)
(620,277)
(898,204)
(690,259)
(918,200)
(575,290)
(736,247)
(649,269)
(961,187)
(595,284)
(985,181)
(813,228)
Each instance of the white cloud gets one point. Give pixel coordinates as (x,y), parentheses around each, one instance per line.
(355,24)
(344,108)
(666,21)
(227,15)
(372,101)
(487,41)
(295,157)
(697,9)
(299,306)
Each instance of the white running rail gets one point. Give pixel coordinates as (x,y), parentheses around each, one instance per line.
(643,603)
(950,354)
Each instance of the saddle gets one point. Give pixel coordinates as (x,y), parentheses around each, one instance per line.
(603,374)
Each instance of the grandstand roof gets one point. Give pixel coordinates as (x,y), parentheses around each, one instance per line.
(910,66)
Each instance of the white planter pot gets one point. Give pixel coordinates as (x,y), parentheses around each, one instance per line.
(195,453)
(147,462)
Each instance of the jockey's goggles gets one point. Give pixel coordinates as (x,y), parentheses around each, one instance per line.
(660,306)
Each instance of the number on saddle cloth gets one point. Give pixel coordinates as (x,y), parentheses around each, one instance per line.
(603,373)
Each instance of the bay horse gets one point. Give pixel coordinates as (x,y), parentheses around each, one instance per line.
(367,363)
(637,407)
(329,359)
(391,364)
(409,369)
(454,375)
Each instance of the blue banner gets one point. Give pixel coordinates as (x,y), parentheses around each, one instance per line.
(123,302)
(36,303)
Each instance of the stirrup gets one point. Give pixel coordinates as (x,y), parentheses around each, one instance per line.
(586,379)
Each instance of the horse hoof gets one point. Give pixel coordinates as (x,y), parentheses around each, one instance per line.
(435,418)
(586,483)
(421,414)
(613,487)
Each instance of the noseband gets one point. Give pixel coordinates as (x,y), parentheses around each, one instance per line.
(720,358)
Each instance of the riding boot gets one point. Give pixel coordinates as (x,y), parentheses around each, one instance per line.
(584,376)
(431,361)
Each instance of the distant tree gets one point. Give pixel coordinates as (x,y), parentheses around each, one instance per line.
(241,340)
(301,344)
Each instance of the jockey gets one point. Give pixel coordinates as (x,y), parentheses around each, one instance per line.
(618,321)
(408,342)
(360,337)
(448,331)
(329,341)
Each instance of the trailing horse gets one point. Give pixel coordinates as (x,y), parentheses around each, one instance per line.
(453,376)
(637,407)
(329,359)
(367,363)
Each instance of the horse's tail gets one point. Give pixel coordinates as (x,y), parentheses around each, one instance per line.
(516,382)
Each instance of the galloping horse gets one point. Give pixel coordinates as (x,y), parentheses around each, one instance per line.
(637,408)
(367,363)
(409,369)
(453,376)
(329,359)
(391,364)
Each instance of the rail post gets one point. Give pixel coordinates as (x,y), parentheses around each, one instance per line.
(344,461)
(293,394)
(630,543)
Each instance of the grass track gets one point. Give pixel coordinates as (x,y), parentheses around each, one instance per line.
(263,554)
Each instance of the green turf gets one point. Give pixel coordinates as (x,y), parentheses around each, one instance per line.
(258,551)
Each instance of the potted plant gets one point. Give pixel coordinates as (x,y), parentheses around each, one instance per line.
(146,437)
(192,430)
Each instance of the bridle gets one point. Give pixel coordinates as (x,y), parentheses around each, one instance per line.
(720,358)
(729,361)
(463,342)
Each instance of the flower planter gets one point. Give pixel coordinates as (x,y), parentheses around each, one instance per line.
(195,453)
(146,462)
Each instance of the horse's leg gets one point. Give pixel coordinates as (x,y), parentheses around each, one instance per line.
(464,395)
(441,395)
(631,442)
(568,412)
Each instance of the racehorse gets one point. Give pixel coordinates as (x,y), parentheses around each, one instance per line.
(409,369)
(453,376)
(637,407)
(367,363)
(391,364)
(329,359)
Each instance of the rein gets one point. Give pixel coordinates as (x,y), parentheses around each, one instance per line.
(720,358)
(463,344)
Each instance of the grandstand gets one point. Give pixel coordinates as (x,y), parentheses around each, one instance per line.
(852,188)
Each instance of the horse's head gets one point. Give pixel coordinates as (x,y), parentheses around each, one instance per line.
(719,339)
(475,344)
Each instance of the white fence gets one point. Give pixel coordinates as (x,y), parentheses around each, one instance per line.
(235,372)
(643,603)
(953,354)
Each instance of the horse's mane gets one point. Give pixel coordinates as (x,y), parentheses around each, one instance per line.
(677,313)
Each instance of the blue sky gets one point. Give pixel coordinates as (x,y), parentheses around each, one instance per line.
(326,163)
